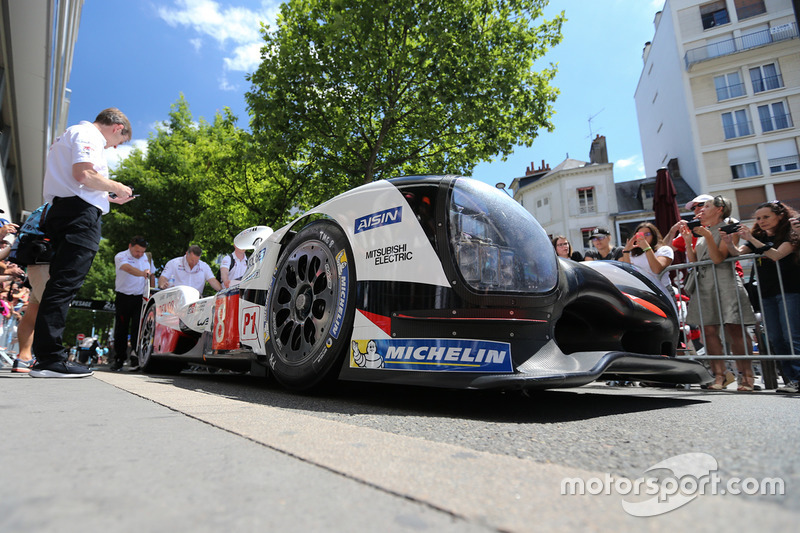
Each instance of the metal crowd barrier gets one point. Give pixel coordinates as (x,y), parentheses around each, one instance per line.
(760,331)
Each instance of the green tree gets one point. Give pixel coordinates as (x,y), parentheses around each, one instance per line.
(369,90)
(168,179)
(198,183)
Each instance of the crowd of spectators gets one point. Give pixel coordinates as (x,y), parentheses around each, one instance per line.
(718,303)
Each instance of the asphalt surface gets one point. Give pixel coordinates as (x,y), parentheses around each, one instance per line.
(201,452)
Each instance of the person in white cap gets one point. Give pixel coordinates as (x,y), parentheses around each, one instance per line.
(672,239)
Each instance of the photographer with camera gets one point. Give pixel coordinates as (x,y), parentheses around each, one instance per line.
(772,236)
(716,292)
(646,250)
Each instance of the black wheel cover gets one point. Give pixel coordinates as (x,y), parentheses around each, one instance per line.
(311,306)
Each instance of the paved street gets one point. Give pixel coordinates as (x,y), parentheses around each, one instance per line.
(205,452)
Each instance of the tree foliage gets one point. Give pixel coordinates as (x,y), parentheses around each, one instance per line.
(368,90)
(199,183)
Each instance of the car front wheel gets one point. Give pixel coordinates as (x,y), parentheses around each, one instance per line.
(311,307)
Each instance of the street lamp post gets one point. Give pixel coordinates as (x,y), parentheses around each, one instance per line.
(502,186)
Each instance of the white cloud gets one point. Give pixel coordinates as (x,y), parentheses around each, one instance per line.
(114,156)
(196,43)
(224,24)
(246,58)
(225,85)
(623,163)
(631,168)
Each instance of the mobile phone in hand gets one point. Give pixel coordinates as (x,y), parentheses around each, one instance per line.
(693,224)
(730,228)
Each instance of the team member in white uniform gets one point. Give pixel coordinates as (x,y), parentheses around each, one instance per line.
(188,270)
(232,275)
(134,273)
(77,187)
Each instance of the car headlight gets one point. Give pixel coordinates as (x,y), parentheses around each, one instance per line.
(485,265)
(468,261)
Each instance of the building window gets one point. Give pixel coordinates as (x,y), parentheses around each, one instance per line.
(728,86)
(714,14)
(749,8)
(783,164)
(746,170)
(744,162)
(586,200)
(765,78)
(782,156)
(774,117)
(586,237)
(736,124)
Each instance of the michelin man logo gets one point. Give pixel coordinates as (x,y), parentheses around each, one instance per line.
(369,359)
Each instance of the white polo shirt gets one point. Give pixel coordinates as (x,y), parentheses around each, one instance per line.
(239,266)
(82,143)
(195,277)
(127,283)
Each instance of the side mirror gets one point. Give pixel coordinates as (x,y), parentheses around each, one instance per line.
(250,238)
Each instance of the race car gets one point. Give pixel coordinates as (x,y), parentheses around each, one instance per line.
(438,281)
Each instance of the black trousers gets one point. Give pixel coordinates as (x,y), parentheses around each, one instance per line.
(73,227)
(129,309)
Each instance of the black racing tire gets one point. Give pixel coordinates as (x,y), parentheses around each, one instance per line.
(147,336)
(311,306)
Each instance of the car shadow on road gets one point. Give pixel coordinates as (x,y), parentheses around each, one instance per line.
(350,398)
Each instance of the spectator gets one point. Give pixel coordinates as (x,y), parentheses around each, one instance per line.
(672,238)
(646,251)
(230,274)
(772,237)
(7,231)
(37,278)
(728,290)
(30,254)
(562,246)
(133,276)
(189,270)
(78,189)
(604,251)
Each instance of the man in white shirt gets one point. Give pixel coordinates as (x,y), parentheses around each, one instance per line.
(231,274)
(134,273)
(78,189)
(188,270)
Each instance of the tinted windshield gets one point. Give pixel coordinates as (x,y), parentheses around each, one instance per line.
(498,245)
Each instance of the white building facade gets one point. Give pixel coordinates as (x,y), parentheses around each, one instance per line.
(572,199)
(37,40)
(719,92)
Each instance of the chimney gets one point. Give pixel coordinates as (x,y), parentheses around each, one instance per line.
(531,170)
(598,153)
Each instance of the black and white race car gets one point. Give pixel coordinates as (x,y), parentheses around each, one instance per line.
(433,280)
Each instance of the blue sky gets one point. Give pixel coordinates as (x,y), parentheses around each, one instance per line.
(140,55)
